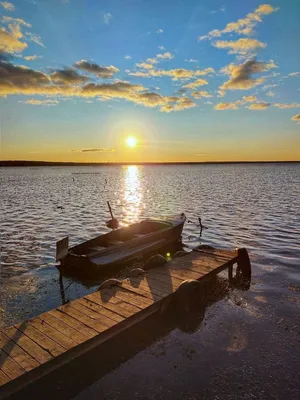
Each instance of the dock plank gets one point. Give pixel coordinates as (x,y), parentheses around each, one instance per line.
(40,339)
(91,311)
(74,323)
(9,366)
(60,326)
(84,318)
(101,310)
(124,309)
(52,333)
(17,353)
(132,298)
(155,288)
(30,347)
(142,290)
(3,378)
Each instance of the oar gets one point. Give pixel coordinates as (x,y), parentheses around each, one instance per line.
(113,223)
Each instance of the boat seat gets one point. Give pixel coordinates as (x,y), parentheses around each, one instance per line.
(114,242)
(95,250)
(137,235)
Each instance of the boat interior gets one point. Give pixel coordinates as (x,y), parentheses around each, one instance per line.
(120,236)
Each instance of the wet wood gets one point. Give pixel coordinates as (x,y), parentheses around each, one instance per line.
(64,333)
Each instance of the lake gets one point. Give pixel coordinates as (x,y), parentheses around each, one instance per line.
(242,205)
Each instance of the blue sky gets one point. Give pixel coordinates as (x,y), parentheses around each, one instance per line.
(192,81)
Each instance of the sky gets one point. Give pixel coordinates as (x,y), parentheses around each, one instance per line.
(190,80)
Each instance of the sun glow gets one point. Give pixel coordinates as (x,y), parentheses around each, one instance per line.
(131,141)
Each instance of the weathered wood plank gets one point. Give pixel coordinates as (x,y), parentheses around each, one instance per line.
(132,298)
(142,290)
(218,253)
(40,339)
(94,314)
(113,304)
(3,378)
(9,366)
(169,281)
(85,319)
(52,333)
(28,345)
(60,326)
(101,310)
(74,323)
(157,288)
(17,353)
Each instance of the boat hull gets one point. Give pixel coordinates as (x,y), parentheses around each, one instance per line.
(124,253)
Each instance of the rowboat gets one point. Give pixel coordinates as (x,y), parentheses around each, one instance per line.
(122,245)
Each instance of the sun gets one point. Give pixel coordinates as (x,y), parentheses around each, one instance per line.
(131,141)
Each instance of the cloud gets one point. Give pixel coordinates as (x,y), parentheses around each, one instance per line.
(127,57)
(32,58)
(175,74)
(296,118)
(291,105)
(294,74)
(159,31)
(152,60)
(191,60)
(161,47)
(40,102)
(226,106)
(249,99)
(16,79)
(9,41)
(243,26)
(97,150)
(259,106)
(196,83)
(200,93)
(266,87)
(165,56)
(34,38)
(241,75)
(99,70)
(240,46)
(107,17)
(7,6)
(145,65)
(270,93)
(67,76)
(183,104)
(19,21)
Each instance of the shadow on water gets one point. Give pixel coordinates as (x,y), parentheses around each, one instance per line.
(69,380)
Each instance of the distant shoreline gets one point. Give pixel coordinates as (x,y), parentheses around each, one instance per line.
(23,163)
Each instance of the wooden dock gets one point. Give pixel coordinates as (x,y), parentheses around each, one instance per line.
(32,349)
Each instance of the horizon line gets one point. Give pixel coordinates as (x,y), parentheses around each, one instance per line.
(20,163)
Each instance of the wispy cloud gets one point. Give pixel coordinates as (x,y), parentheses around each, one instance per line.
(107,17)
(291,105)
(127,57)
(294,74)
(32,58)
(243,26)
(191,60)
(99,70)
(259,106)
(34,38)
(159,31)
(6,20)
(174,74)
(196,83)
(35,102)
(241,46)
(96,150)
(226,106)
(161,47)
(197,94)
(165,56)
(270,93)
(7,5)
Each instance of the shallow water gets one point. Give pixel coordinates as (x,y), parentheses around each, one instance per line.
(246,205)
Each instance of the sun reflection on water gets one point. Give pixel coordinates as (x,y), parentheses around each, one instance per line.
(132,194)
